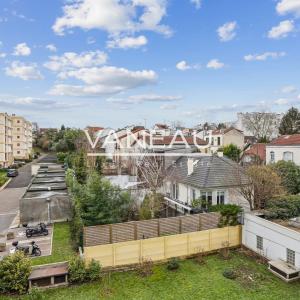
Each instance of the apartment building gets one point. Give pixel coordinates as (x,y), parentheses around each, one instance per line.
(6,147)
(21,137)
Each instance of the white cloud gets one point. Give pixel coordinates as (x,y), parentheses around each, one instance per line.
(281,101)
(184,66)
(197,3)
(113,16)
(138,99)
(264,56)
(169,106)
(36,104)
(289,89)
(128,42)
(51,48)
(288,6)
(227,31)
(2,55)
(70,60)
(215,64)
(103,81)
(23,71)
(282,30)
(22,50)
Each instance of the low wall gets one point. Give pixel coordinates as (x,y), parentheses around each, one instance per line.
(163,248)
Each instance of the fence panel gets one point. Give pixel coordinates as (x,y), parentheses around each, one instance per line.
(162,248)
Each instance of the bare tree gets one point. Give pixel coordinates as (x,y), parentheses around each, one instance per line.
(151,171)
(261,124)
(263,184)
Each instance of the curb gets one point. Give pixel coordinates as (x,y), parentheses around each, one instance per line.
(16,221)
(5,184)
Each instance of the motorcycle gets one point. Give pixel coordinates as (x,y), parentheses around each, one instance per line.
(34,251)
(41,229)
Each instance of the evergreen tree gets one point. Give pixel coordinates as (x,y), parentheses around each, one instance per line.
(232,152)
(81,168)
(290,123)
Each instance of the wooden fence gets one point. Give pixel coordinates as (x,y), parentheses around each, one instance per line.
(163,248)
(130,231)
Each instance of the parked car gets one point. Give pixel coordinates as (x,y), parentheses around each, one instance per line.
(12,173)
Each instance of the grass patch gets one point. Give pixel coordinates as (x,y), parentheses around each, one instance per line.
(3,177)
(61,246)
(190,281)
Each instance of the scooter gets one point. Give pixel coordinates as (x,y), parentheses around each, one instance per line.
(41,229)
(34,251)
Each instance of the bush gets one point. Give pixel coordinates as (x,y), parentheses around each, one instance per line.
(93,271)
(80,272)
(230,274)
(36,294)
(229,214)
(77,271)
(173,264)
(145,268)
(283,207)
(61,156)
(14,272)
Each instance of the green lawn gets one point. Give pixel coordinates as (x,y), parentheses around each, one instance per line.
(3,177)
(61,246)
(191,281)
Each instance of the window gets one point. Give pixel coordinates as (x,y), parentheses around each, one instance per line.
(259,243)
(18,137)
(18,121)
(221,197)
(18,152)
(290,257)
(288,156)
(206,198)
(272,155)
(18,144)
(193,194)
(175,191)
(18,129)
(219,141)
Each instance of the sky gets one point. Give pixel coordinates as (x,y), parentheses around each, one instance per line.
(113,63)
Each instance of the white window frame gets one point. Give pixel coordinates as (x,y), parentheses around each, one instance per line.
(259,243)
(219,194)
(272,156)
(288,153)
(290,256)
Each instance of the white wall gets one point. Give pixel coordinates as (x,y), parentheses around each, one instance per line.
(276,238)
(279,150)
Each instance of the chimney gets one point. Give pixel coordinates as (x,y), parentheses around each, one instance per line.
(190,165)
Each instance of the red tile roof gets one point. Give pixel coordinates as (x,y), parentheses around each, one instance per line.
(166,140)
(258,150)
(286,140)
(162,126)
(94,128)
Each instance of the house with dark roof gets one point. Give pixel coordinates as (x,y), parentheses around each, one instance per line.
(213,179)
(286,147)
(222,137)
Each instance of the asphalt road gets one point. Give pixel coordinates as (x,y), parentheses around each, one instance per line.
(11,195)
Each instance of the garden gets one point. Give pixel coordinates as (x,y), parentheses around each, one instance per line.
(210,277)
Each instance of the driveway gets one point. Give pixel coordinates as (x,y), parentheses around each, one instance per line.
(11,195)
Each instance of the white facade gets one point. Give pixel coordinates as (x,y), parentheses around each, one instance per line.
(6,149)
(275,153)
(186,194)
(273,239)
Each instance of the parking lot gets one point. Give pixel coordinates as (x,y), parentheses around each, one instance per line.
(44,242)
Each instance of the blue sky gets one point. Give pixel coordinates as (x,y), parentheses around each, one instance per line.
(112,63)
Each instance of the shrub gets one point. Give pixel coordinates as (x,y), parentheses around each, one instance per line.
(14,272)
(230,274)
(173,264)
(77,271)
(93,271)
(283,207)
(61,156)
(36,294)
(229,214)
(145,268)
(80,272)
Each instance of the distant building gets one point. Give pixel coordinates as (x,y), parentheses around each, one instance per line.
(220,138)
(162,129)
(240,124)
(255,155)
(286,147)
(6,145)
(21,137)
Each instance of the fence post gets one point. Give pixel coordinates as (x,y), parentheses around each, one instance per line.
(164,247)
(135,231)
(110,234)
(180,225)
(188,243)
(141,251)
(158,227)
(114,254)
(228,236)
(209,239)
(200,223)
